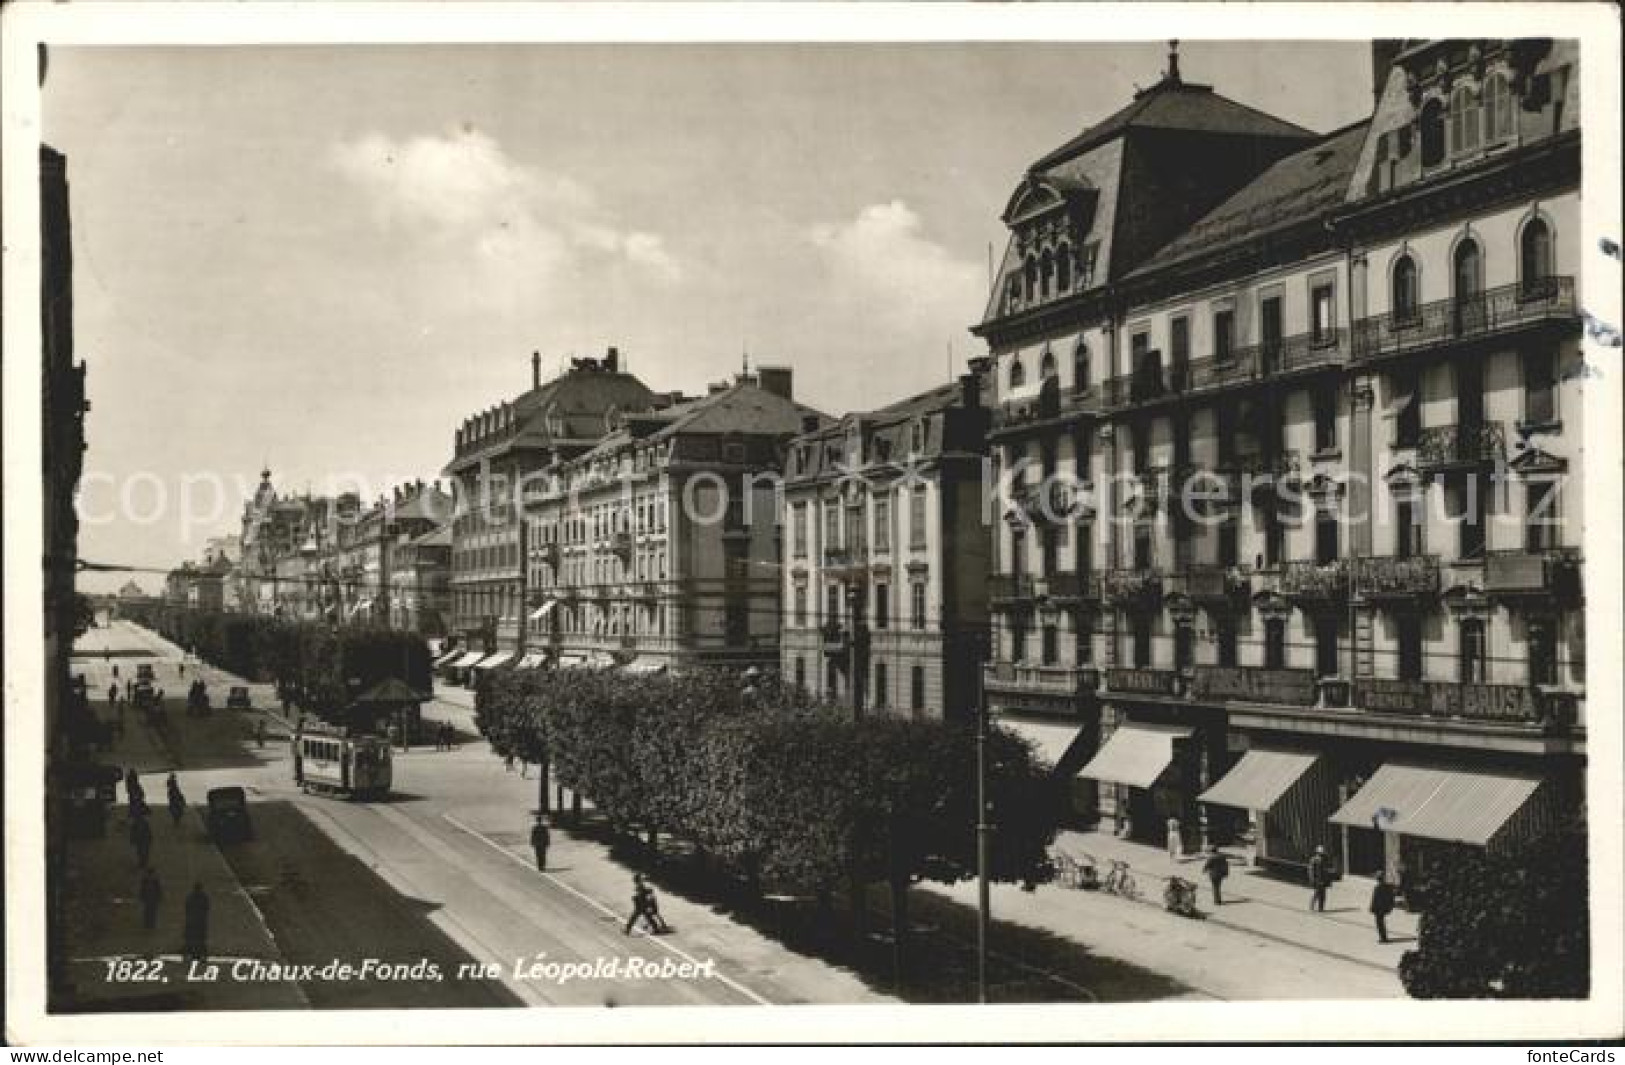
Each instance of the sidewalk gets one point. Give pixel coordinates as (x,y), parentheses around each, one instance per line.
(1259,903)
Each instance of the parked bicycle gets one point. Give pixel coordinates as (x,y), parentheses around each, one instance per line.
(1119,881)
(1180,897)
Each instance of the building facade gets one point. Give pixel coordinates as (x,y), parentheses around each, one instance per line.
(886,556)
(496,453)
(659,547)
(1304,463)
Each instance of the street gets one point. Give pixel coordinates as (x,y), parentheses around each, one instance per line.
(440,871)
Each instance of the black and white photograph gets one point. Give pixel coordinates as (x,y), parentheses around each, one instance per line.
(622,510)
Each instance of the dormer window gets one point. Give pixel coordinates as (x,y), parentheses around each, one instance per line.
(1497,110)
(1046,367)
(1018,374)
(1464,121)
(1431,123)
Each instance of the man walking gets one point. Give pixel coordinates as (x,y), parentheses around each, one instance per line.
(197,924)
(540,838)
(1320,878)
(645,906)
(1382,904)
(1217,867)
(141,839)
(151,894)
(177,801)
(1176,844)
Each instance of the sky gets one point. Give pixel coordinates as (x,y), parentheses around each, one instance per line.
(320,259)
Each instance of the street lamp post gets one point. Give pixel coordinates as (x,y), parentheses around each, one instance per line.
(984,843)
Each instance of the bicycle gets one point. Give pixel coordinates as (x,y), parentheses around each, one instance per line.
(1119,881)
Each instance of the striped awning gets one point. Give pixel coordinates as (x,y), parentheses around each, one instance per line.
(1051,739)
(1260,779)
(447,657)
(468,659)
(572,661)
(1136,754)
(1455,805)
(644,665)
(495,660)
(545,609)
(531,661)
(600,660)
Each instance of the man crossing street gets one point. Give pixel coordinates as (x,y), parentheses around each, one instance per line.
(540,838)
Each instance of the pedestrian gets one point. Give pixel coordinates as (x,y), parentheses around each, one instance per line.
(507,761)
(1320,878)
(1217,867)
(177,801)
(112,695)
(115,671)
(151,893)
(451,736)
(259,733)
(1176,844)
(644,905)
(540,837)
(132,786)
(183,667)
(1382,904)
(197,923)
(141,840)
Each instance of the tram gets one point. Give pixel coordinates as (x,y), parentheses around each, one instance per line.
(326,759)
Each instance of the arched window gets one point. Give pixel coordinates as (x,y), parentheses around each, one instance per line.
(1018,375)
(1046,275)
(1046,367)
(1497,109)
(1015,290)
(1032,277)
(1405,301)
(1464,121)
(1432,131)
(1469,269)
(1080,367)
(1535,258)
(1063,269)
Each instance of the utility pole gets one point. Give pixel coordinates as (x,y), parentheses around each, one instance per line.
(984,843)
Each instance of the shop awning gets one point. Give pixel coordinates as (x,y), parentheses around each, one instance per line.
(360,606)
(545,609)
(1052,739)
(493,661)
(447,657)
(600,660)
(1135,755)
(530,661)
(644,665)
(1260,779)
(1459,806)
(468,659)
(572,661)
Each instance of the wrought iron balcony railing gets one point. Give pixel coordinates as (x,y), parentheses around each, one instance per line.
(1005,589)
(1074,587)
(1048,680)
(1210,584)
(1315,581)
(1156,381)
(1394,577)
(1549,299)
(1553,572)
(1131,589)
(1443,447)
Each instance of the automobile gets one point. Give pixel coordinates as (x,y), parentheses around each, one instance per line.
(226,815)
(144,672)
(237,698)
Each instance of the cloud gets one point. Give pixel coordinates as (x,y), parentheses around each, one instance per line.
(463,195)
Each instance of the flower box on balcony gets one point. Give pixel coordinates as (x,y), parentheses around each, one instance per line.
(1131,588)
(1315,581)
(1396,578)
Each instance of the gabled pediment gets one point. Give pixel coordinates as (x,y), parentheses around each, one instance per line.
(1533,460)
(1404,479)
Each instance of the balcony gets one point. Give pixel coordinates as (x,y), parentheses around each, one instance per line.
(1287,687)
(1214,585)
(1396,578)
(1131,589)
(1008,589)
(1019,678)
(1458,447)
(1155,383)
(837,642)
(1494,703)
(1519,574)
(621,544)
(1443,322)
(1146,681)
(549,554)
(1074,587)
(1315,582)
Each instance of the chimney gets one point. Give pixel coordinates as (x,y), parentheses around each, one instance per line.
(775,380)
(809,423)
(612,361)
(1383,53)
(970,391)
(536,369)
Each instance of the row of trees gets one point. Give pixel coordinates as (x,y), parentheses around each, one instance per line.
(785,793)
(319,667)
